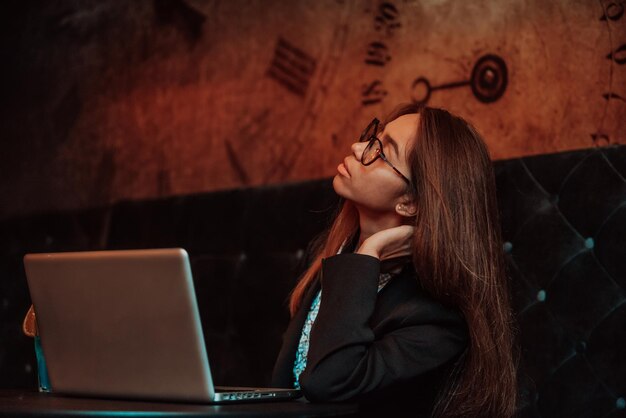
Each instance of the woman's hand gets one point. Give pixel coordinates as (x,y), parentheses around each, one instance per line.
(389,243)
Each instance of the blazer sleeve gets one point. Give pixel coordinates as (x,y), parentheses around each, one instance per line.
(346,360)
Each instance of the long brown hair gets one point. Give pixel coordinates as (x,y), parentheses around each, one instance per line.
(458,257)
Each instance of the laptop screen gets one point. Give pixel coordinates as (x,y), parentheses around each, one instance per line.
(120,323)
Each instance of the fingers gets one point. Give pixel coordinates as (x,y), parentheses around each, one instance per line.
(390,243)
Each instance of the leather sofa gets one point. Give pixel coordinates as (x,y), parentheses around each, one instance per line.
(564,225)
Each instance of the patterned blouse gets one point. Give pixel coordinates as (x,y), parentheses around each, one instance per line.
(303,346)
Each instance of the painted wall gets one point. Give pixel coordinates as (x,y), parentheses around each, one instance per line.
(105,100)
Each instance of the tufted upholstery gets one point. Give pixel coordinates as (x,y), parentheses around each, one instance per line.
(564,225)
(563,221)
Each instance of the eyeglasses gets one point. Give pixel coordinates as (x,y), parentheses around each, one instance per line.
(374,149)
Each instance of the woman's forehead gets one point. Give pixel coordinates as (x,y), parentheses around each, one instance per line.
(403,129)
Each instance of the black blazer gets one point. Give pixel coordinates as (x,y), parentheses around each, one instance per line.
(390,351)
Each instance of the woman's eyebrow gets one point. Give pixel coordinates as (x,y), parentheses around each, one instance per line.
(393,143)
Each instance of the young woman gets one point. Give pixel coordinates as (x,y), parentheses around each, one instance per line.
(405,306)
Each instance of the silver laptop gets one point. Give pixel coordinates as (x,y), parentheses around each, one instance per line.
(125,324)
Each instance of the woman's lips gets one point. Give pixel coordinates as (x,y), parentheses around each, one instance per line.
(343,170)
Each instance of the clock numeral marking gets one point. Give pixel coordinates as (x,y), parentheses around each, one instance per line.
(613,12)
(387,17)
(291,67)
(377,54)
(619,55)
(373,93)
(182,16)
(600,139)
(235,164)
(609,96)
(245,143)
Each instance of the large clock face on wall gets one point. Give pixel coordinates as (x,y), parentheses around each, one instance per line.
(533,77)
(184,96)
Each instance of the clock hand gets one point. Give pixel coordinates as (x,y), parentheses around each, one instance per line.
(488,81)
(429,89)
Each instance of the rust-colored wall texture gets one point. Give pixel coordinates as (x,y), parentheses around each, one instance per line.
(105,100)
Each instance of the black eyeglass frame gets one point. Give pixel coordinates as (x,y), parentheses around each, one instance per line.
(371,140)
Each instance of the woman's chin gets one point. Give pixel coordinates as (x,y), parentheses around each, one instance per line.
(339,185)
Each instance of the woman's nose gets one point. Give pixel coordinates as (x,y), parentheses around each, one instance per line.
(357,149)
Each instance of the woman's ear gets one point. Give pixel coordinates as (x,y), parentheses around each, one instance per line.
(406,208)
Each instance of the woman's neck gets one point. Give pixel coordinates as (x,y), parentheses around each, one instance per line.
(373,222)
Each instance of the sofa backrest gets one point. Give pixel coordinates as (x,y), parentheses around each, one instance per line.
(563,220)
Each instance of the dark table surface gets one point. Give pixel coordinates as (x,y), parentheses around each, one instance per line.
(25,403)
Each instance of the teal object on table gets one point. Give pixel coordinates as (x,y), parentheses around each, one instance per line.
(42,369)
